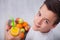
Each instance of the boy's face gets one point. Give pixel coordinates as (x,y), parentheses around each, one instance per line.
(44,20)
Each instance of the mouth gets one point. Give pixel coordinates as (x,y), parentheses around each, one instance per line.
(37,25)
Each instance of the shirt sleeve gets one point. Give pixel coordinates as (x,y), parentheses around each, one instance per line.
(29,35)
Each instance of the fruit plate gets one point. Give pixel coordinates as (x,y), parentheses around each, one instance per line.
(18,27)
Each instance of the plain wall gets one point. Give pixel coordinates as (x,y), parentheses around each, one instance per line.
(25,9)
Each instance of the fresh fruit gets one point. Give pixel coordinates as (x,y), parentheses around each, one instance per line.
(13,24)
(21,20)
(21,35)
(14,31)
(22,30)
(19,25)
(8,25)
(25,24)
(27,28)
(9,22)
(17,19)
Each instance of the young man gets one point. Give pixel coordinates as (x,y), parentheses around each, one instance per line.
(45,20)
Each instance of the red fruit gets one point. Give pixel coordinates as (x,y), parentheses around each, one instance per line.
(9,22)
(17,19)
(9,25)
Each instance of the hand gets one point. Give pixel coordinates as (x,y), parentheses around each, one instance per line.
(8,36)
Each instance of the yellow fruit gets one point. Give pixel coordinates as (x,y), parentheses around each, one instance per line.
(14,31)
(21,21)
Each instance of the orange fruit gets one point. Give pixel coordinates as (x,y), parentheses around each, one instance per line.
(27,28)
(21,35)
(25,24)
(19,25)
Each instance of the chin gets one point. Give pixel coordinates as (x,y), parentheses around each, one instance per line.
(44,31)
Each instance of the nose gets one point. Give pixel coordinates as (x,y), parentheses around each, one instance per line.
(40,21)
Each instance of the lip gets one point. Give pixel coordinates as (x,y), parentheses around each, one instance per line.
(38,26)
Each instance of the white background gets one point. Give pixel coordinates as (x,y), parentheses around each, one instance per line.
(25,9)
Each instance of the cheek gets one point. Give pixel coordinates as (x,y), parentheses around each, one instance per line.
(35,19)
(45,26)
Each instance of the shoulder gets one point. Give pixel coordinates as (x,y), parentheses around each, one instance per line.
(50,35)
(29,34)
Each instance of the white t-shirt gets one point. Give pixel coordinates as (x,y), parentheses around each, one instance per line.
(37,35)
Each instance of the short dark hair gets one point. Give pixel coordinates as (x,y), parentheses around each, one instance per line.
(54,6)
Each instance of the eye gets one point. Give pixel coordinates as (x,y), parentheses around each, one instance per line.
(46,21)
(39,14)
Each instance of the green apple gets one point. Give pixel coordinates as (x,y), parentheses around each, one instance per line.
(22,30)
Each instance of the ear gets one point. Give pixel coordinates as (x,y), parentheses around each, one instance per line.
(53,26)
